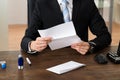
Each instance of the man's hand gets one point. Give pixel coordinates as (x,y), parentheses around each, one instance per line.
(81,47)
(40,43)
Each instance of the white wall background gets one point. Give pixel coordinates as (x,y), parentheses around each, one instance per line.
(105,6)
(117,11)
(3,26)
(17,11)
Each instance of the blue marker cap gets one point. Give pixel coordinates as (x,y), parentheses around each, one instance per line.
(3,64)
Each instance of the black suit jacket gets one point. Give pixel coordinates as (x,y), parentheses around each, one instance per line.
(47,13)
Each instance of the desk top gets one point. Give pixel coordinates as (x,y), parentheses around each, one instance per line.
(48,58)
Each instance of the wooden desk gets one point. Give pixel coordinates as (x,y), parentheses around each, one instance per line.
(48,58)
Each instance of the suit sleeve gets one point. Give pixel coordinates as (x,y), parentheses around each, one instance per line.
(98,27)
(31,32)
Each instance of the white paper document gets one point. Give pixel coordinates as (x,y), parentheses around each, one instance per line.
(63,35)
(65,67)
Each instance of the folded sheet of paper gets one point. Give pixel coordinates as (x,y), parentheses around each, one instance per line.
(63,35)
(65,67)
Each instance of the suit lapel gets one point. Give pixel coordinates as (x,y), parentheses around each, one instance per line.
(57,10)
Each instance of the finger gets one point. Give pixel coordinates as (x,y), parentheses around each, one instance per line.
(41,47)
(75,44)
(42,42)
(83,50)
(46,39)
(82,44)
(80,50)
(39,39)
(84,47)
(74,47)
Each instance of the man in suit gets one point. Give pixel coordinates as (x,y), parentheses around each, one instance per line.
(84,15)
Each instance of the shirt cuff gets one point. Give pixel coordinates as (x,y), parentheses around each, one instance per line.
(92,47)
(29,49)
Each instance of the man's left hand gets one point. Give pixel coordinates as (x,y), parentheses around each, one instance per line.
(81,47)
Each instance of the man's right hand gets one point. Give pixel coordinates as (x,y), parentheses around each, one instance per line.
(40,43)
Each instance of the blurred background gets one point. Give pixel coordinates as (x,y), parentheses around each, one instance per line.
(13,21)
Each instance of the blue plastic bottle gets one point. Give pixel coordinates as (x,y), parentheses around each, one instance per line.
(20,61)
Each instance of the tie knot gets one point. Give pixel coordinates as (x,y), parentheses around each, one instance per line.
(64,1)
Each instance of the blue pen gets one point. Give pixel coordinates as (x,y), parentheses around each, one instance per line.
(20,61)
